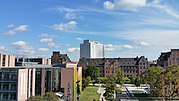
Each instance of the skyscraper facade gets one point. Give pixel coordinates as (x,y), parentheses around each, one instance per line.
(91,49)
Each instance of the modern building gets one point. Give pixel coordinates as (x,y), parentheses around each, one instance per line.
(71,80)
(91,49)
(16,84)
(30,79)
(42,61)
(109,66)
(7,60)
(168,58)
(58,58)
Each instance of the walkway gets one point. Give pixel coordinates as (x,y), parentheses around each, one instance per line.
(101,90)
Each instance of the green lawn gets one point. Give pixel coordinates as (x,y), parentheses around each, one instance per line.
(89,94)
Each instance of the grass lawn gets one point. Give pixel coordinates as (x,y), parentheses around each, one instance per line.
(89,94)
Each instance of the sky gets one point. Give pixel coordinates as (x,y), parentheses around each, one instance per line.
(127,28)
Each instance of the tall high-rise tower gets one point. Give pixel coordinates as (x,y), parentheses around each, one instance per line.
(91,49)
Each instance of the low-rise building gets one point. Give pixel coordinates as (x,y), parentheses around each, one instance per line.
(168,58)
(110,66)
(7,60)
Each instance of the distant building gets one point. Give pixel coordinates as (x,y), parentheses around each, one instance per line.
(91,49)
(168,58)
(58,58)
(42,61)
(109,66)
(7,60)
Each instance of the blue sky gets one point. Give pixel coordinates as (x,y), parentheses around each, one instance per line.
(127,28)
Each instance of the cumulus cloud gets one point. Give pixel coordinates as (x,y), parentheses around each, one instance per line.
(23,48)
(124,4)
(65,26)
(53,45)
(128,46)
(2,48)
(70,16)
(43,49)
(21,28)
(45,37)
(108,5)
(71,50)
(109,48)
(46,40)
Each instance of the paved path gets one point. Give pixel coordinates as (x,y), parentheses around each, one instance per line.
(101,90)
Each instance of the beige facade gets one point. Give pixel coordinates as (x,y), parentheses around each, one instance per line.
(24,84)
(7,60)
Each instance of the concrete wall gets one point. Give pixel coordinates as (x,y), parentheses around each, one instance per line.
(22,84)
(9,60)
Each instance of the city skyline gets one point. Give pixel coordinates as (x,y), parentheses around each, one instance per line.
(125,27)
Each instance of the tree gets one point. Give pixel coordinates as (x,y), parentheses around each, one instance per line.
(110,86)
(93,72)
(120,77)
(137,81)
(35,98)
(171,81)
(153,78)
(132,79)
(101,80)
(163,82)
(85,82)
(50,96)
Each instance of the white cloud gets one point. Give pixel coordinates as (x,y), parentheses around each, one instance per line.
(43,49)
(10,26)
(70,16)
(21,28)
(124,4)
(2,48)
(53,45)
(80,39)
(23,48)
(128,46)
(109,48)
(46,40)
(65,26)
(142,43)
(71,50)
(19,43)
(64,9)
(108,5)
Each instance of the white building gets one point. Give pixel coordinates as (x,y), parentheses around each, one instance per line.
(91,49)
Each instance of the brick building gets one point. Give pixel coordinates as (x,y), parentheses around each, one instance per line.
(58,58)
(168,58)
(109,66)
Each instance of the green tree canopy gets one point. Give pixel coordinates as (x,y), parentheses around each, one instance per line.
(110,86)
(93,72)
(50,96)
